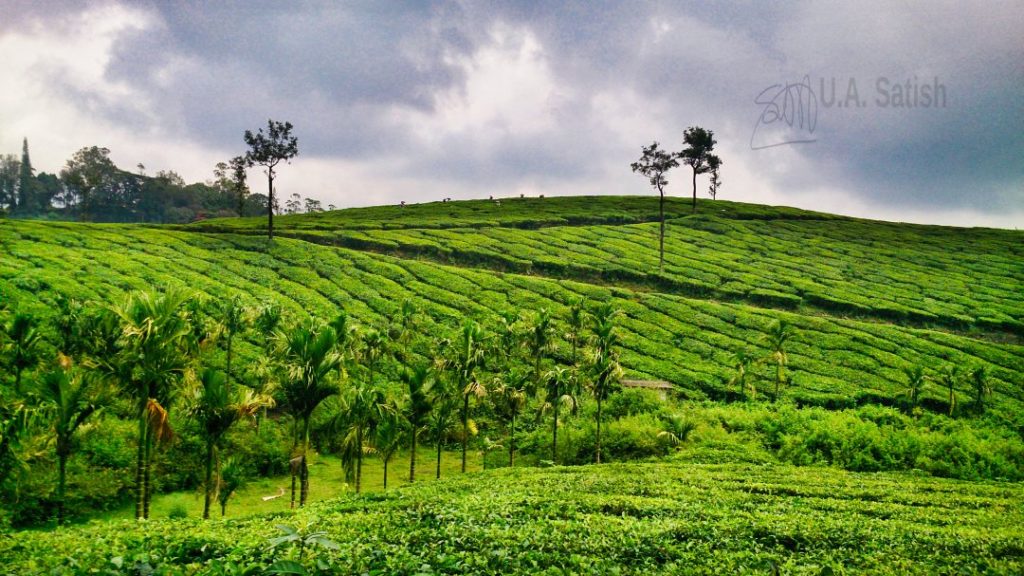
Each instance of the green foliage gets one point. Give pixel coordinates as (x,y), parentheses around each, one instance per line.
(663,518)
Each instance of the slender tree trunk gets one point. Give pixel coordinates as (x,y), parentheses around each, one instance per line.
(359,459)
(295,445)
(465,428)
(227,381)
(599,429)
(147,470)
(554,434)
(62,462)
(223,507)
(512,443)
(439,458)
(694,189)
(207,497)
(140,459)
(304,472)
(385,474)
(270,203)
(661,236)
(412,458)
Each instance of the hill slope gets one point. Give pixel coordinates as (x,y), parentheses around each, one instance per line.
(682,339)
(920,295)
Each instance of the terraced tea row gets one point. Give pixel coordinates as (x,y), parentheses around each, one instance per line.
(959,279)
(686,341)
(611,519)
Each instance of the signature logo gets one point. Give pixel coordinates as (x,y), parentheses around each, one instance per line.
(789,115)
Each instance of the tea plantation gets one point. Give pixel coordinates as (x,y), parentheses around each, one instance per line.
(757,487)
(612,519)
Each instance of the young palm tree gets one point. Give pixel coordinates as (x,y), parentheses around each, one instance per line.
(558,381)
(779,333)
(605,366)
(417,407)
(232,477)
(154,356)
(216,408)
(388,437)
(540,341)
(22,349)
(509,399)
(233,318)
(740,361)
(982,387)
(916,380)
(467,356)
(950,378)
(312,366)
(362,410)
(509,341)
(69,400)
(68,323)
(402,330)
(444,404)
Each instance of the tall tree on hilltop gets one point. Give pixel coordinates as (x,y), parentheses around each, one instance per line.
(238,178)
(654,164)
(268,149)
(26,182)
(698,154)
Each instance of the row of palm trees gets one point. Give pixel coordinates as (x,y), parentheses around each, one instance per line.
(156,350)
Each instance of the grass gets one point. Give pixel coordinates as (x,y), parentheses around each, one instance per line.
(326,481)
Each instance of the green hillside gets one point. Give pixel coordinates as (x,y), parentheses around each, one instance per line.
(612,519)
(683,339)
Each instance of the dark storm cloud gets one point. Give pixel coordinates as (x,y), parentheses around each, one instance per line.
(355,79)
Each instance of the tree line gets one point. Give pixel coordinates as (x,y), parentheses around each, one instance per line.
(159,358)
(91,187)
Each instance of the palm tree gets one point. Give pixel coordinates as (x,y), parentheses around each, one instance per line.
(509,339)
(263,374)
(778,334)
(444,403)
(402,330)
(605,360)
(388,438)
(540,341)
(916,380)
(67,323)
(557,381)
(233,318)
(216,408)
(154,357)
(69,400)
(312,366)
(232,477)
(950,377)
(22,350)
(577,322)
(509,400)
(416,407)
(361,412)
(740,361)
(468,355)
(982,388)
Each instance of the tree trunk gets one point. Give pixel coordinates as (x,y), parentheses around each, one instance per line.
(62,462)
(554,434)
(147,487)
(465,428)
(359,459)
(439,458)
(304,471)
(412,459)
(270,203)
(209,480)
(227,380)
(223,507)
(694,189)
(385,474)
(512,443)
(140,459)
(661,236)
(599,429)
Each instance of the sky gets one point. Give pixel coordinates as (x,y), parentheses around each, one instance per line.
(905,111)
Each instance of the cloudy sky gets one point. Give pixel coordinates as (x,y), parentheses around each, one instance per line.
(900,111)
